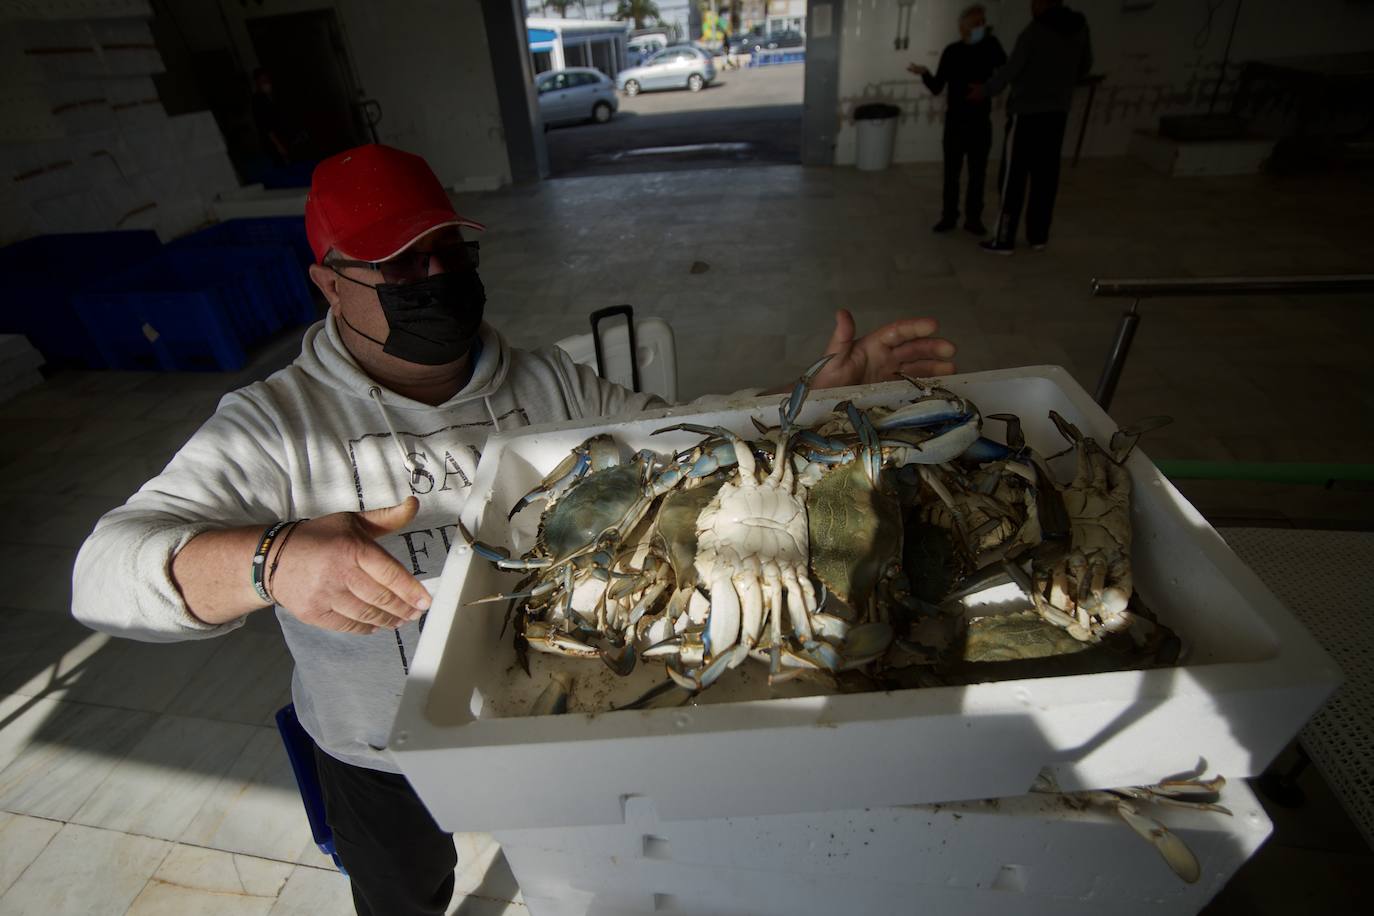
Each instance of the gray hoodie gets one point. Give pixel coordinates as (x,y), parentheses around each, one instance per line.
(1052,54)
(315,438)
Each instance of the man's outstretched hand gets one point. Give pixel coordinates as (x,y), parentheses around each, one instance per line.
(906,347)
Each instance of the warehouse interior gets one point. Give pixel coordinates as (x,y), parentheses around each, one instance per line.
(143,778)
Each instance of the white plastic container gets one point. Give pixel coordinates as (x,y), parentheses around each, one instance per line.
(656,354)
(876,139)
(1027,855)
(1252,678)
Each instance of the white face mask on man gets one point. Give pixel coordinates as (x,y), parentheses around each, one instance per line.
(976,34)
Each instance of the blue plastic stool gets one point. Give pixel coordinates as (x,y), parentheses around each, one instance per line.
(300,749)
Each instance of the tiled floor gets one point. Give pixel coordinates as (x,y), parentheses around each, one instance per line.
(148,779)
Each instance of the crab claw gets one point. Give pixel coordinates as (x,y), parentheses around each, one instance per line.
(600,451)
(621,660)
(872,452)
(1016,438)
(700,679)
(791,406)
(1174,851)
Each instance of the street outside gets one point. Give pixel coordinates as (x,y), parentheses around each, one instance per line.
(745,115)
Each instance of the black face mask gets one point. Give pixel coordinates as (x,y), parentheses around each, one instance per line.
(431,321)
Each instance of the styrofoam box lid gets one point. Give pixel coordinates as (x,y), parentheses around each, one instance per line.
(1251,679)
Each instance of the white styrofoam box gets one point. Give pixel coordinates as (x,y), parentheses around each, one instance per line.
(180,216)
(247,203)
(127,46)
(196,134)
(148,146)
(38,171)
(80,106)
(205,176)
(129,89)
(40,52)
(126,204)
(144,117)
(656,353)
(73,9)
(1252,678)
(1030,854)
(1182,158)
(26,116)
(82,211)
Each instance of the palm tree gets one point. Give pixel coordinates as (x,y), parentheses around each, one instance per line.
(638,10)
(560,5)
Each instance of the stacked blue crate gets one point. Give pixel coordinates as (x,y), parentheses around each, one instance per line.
(42,274)
(294,302)
(187,309)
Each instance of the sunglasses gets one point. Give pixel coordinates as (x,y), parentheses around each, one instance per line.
(413,264)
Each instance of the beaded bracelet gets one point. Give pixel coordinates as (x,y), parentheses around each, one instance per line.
(260,560)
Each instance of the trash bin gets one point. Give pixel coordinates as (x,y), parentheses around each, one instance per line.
(877,124)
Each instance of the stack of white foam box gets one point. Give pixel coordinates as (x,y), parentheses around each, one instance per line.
(85,144)
(19,363)
(793,801)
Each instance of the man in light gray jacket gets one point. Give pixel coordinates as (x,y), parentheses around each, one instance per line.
(331,491)
(1051,55)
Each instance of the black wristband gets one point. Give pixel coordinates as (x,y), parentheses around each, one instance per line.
(285,538)
(260,560)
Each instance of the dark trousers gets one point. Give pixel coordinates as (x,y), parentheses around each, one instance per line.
(971,139)
(1031,155)
(399,862)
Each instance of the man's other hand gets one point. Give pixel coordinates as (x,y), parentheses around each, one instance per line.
(906,347)
(918,69)
(333,575)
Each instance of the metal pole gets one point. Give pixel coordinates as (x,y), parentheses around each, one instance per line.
(1149,288)
(1087,113)
(1116,358)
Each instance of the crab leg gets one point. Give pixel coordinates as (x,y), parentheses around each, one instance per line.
(723,623)
(499,555)
(790,408)
(1174,851)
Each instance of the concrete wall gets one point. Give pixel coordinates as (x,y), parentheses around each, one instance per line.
(426,62)
(1158,60)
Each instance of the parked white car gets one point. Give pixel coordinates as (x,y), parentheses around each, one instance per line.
(576,94)
(675,67)
(641,47)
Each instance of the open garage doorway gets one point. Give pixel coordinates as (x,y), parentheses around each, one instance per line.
(648,85)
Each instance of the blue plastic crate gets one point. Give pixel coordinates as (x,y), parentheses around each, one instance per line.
(294,303)
(187,309)
(263,230)
(40,276)
(171,331)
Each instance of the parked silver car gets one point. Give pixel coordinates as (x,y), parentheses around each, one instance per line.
(576,94)
(674,67)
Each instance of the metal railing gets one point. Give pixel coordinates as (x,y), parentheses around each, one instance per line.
(1161,287)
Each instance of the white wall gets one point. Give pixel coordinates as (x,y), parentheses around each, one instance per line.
(426,62)
(1149,58)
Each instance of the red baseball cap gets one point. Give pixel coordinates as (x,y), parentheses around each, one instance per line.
(372,202)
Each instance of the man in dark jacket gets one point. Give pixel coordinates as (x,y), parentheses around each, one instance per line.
(1051,55)
(968,124)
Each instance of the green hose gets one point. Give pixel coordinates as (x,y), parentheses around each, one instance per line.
(1272,472)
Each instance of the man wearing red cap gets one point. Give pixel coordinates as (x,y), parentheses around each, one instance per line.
(331,491)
